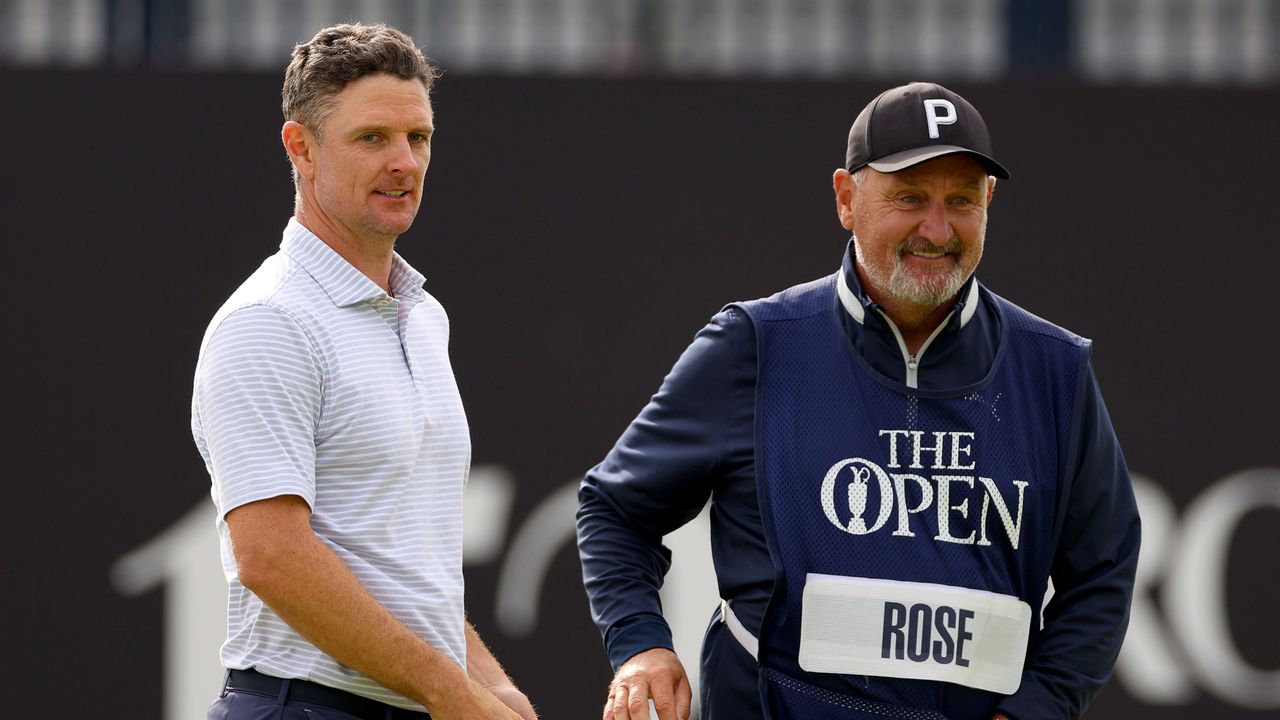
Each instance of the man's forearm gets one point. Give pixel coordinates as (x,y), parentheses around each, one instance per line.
(317,594)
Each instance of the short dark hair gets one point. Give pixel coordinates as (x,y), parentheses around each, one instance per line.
(323,66)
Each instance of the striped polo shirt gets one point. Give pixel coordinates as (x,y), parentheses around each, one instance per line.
(314,382)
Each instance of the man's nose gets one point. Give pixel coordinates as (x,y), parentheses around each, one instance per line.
(935,227)
(402,159)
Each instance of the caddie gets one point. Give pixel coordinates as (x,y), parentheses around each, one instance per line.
(898,460)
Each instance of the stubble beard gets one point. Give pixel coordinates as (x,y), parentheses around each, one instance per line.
(365,220)
(384,227)
(387,226)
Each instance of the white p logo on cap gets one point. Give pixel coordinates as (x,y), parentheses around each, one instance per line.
(946,117)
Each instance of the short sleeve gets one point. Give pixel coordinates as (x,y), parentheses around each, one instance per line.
(256,404)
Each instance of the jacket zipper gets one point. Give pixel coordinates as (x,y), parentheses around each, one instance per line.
(913,360)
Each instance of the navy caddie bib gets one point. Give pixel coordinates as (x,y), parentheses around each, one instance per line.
(911,531)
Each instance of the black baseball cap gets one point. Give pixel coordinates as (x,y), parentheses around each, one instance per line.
(910,124)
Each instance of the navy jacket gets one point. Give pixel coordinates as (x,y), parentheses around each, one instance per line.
(694,441)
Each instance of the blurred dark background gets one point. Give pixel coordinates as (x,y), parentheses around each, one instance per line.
(606,175)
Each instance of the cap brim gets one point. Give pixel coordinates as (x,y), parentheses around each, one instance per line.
(907,158)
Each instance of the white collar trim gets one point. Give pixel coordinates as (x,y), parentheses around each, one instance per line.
(970,304)
(852,304)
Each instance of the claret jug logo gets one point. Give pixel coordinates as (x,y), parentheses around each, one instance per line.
(963,502)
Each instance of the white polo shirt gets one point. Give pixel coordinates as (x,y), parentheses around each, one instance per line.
(314,382)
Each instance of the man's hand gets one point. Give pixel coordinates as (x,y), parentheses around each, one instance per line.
(511,696)
(470,701)
(651,675)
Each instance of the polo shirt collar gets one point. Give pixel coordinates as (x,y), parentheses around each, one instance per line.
(339,279)
(406,282)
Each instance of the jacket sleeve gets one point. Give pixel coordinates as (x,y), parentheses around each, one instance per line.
(656,478)
(1093,569)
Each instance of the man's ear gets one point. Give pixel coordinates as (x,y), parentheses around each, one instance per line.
(846,190)
(298,144)
(991,189)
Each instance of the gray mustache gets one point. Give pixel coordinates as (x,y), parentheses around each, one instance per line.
(912,245)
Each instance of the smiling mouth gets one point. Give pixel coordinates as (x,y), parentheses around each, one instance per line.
(392,193)
(925,250)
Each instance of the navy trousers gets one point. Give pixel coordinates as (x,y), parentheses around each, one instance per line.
(730,677)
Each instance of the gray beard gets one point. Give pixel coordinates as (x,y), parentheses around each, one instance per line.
(933,293)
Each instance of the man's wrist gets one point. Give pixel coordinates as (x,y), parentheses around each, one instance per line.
(636,635)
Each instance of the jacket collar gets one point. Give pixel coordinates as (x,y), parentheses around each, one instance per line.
(959,354)
(857,303)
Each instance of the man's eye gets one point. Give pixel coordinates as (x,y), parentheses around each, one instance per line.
(909,199)
(369,137)
(417,137)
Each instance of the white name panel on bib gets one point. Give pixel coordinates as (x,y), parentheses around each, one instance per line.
(919,631)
